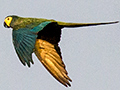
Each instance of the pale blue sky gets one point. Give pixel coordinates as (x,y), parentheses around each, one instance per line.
(91,54)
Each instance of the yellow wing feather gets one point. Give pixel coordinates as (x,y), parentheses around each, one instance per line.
(49,57)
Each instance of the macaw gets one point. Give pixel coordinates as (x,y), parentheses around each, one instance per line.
(42,36)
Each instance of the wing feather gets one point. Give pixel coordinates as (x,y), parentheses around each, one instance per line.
(24,42)
(50,58)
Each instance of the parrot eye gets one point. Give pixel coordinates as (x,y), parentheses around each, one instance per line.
(8,19)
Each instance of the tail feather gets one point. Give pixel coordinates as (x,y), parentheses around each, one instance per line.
(64,24)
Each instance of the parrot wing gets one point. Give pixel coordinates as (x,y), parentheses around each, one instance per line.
(24,41)
(48,52)
(48,55)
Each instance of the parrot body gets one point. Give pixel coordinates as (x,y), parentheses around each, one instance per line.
(42,36)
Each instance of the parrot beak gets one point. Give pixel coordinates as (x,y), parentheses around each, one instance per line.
(6,26)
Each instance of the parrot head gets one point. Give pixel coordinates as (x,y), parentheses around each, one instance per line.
(8,22)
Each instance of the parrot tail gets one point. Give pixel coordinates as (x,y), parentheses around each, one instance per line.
(69,25)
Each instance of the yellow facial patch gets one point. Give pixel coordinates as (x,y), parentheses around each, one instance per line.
(8,20)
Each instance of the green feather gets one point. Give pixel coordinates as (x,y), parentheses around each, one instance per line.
(20,22)
(24,41)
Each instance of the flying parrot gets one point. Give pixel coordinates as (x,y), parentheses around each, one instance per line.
(42,36)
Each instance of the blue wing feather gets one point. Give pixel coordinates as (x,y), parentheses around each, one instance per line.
(24,40)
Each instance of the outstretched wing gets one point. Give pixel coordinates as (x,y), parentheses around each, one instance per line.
(48,52)
(48,55)
(24,42)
